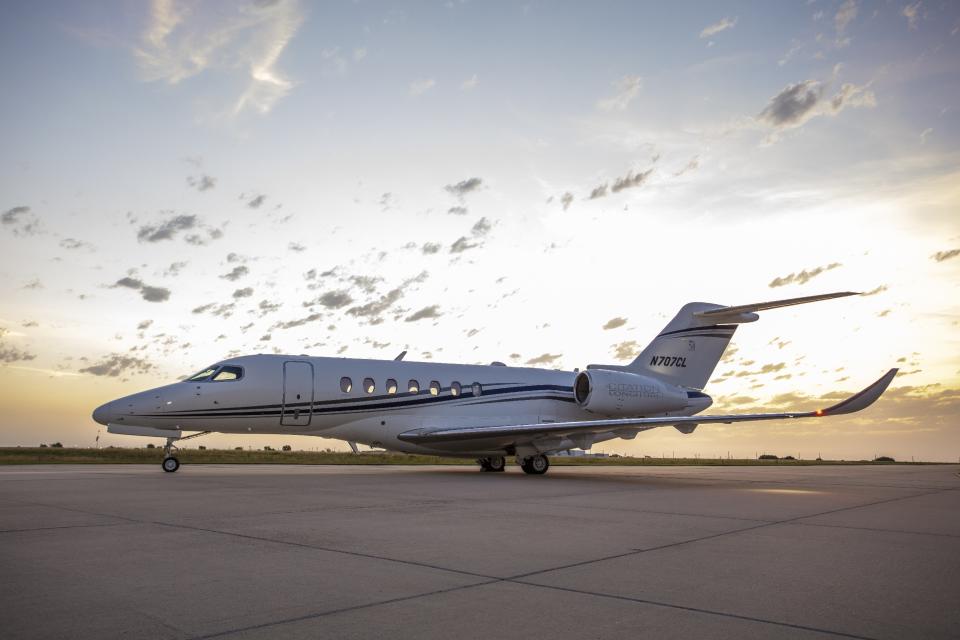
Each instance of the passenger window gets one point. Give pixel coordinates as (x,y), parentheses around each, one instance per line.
(346,384)
(477,389)
(455,388)
(391,386)
(434,388)
(368,385)
(228,373)
(413,386)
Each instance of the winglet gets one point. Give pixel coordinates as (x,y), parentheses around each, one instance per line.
(862,400)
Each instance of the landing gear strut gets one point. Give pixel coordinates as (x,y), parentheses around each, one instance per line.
(170,462)
(496,463)
(535,465)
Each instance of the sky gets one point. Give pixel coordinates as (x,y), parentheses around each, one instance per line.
(543,184)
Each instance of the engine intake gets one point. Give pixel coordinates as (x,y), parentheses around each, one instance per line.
(624,394)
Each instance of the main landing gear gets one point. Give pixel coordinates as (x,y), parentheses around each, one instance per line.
(535,465)
(495,464)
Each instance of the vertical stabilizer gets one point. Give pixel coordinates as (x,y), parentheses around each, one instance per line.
(688,349)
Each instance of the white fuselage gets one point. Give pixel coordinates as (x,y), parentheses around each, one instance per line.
(334,398)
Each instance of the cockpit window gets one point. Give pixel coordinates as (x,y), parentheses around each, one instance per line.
(226,373)
(202,375)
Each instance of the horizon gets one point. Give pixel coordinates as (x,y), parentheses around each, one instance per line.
(543,185)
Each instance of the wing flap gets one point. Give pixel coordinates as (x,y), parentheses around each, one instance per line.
(854,403)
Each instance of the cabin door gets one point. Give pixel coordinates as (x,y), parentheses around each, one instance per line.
(297,393)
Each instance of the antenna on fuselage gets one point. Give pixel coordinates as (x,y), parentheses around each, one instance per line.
(400,357)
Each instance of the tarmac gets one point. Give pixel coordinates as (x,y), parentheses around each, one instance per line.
(245,551)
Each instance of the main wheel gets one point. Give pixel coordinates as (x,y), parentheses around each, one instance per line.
(535,465)
(496,463)
(484,464)
(170,464)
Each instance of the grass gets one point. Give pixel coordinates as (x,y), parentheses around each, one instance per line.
(56,455)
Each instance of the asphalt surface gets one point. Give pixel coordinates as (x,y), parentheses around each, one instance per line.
(440,552)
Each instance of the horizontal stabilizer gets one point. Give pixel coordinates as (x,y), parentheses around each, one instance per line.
(723,312)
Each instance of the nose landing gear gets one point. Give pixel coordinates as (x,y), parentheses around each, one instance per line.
(170,462)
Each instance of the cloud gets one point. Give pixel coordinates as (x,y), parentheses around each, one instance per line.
(793,105)
(481,228)
(367,283)
(912,13)
(238,272)
(458,211)
(245,40)
(256,201)
(147,292)
(174,269)
(167,229)
(631,180)
(334,299)
(72,243)
(566,199)
(803,276)
(800,102)
(470,83)
(115,365)
(925,135)
(10,354)
(155,294)
(545,358)
(693,165)
(598,192)
(224,310)
(429,248)
(203,183)
(844,16)
(463,244)
(144,325)
(715,28)
(464,187)
(875,291)
(374,309)
(290,324)
(36,284)
(940,256)
(613,323)
(419,87)
(266,307)
(433,311)
(627,350)
(246,292)
(627,89)
(296,246)
(21,221)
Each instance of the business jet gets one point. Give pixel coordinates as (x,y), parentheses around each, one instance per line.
(483,412)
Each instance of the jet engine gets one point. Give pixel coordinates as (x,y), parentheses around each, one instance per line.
(625,394)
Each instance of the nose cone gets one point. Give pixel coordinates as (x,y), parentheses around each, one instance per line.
(104,413)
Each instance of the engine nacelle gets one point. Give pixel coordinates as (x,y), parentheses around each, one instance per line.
(620,393)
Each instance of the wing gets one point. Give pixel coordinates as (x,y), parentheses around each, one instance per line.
(509,434)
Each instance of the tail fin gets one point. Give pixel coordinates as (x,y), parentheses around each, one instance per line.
(686,352)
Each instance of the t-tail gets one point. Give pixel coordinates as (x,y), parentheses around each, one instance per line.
(686,352)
